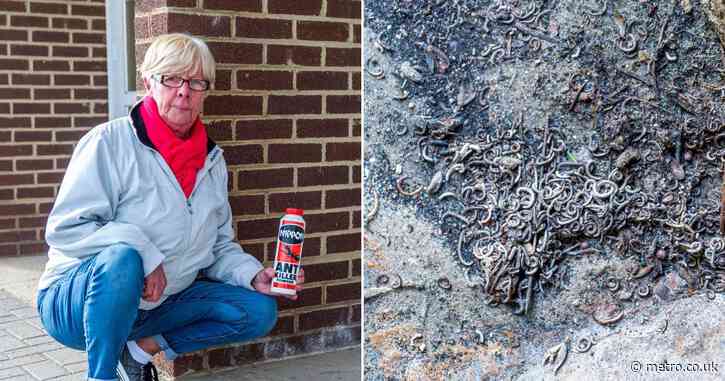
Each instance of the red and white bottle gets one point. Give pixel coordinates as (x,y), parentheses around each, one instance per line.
(288,254)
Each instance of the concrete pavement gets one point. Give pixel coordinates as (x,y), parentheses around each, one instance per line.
(27,353)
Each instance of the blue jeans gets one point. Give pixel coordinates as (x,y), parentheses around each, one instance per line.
(94,307)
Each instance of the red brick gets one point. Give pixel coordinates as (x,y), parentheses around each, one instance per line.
(72,108)
(235,53)
(89,66)
(323,318)
(69,23)
(264,80)
(265,178)
(17,179)
(6,165)
(326,222)
(7,223)
(221,357)
(343,292)
(14,122)
(31,79)
(4,108)
(356,33)
(322,128)
(14,93)
(48,36)
(48,8)
(294,153)
(356,267)
(342,151)
(55,149)
(254,229)
(33,136)
(322,176)
(322,80)
(52,122)
(264,129)
(29,21)
(141,27)
(99,25)
(278,202)
(88,122)
(213,26)
(100,108)
(263,28)
(4,79)
(223,80)
(356,81)
(17,209)
(296,104)
(70,51)
(51,65)
(100,80)
(306,298)
(343,57)
(54,94)
(296,7)
(13,35)
(6,194)
(71,135)
(344,8)
(29,50)
(322,31)
(233,105)
(8,250)
(293,55)
(89,38)
(256,250)
(356,219)
(32,165)
(234,5)
(6,136)
(62,162)
(343,243)
(356,174)
(31,108)
(243,154)
(342,198)
(220,130)
(45,207)
(50,177)
(326,271)
(33,248)
(36,192)
(343,104)
(253,204)
(87,10)
(285,325)
(12,6)
(91,93)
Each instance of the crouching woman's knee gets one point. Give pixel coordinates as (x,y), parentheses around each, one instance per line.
(265,315)
(120,267)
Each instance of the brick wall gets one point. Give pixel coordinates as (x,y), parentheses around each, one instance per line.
(285,108)
(52,91)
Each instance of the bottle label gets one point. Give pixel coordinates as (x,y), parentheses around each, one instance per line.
(289,249)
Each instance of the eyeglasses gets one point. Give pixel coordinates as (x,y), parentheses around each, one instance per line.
(176,82)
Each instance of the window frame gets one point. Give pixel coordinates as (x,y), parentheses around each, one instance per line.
(118,34)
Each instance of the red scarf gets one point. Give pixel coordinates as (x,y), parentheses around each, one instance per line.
(185,157)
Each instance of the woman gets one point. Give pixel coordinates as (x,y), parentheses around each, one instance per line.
(142,211)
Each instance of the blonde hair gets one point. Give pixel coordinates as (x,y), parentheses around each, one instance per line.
(178,53)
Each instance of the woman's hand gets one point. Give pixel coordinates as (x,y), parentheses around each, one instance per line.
(262,282)
(154,285)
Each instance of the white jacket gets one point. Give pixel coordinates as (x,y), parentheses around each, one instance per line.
(119,189)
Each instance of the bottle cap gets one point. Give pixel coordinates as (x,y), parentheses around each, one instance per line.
(298,212)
